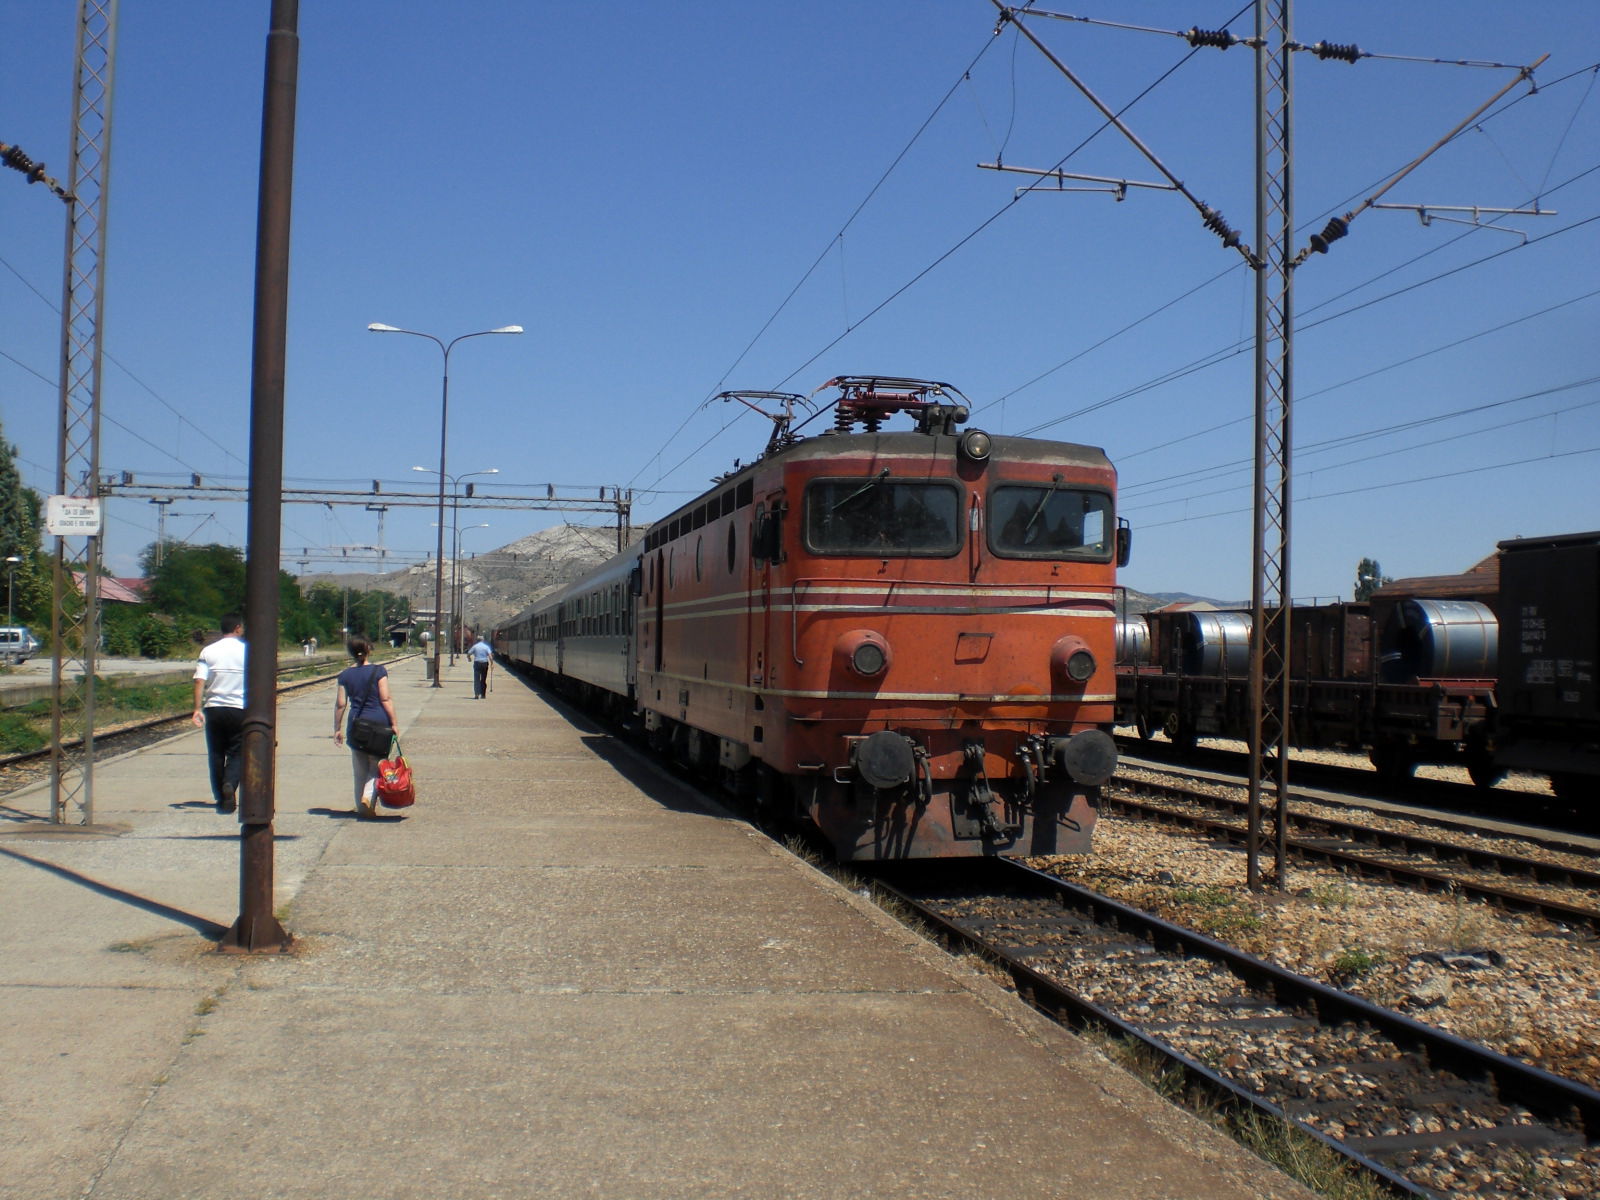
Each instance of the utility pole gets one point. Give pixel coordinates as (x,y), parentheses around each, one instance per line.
(1274,265)
(1274,377)
(75,632)
(257,928)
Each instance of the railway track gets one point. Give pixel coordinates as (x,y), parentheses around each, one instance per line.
(20,770)
(1421,1109)
(1504,802)
(1554,886)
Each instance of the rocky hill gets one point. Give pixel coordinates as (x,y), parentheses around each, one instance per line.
(501,583)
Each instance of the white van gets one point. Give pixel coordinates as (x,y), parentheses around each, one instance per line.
(17,644)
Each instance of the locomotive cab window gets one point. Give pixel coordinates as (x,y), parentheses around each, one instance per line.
(878,516)
(1050,521)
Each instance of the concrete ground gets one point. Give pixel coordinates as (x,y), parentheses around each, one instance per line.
(560,975)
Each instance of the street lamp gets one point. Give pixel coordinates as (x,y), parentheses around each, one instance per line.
(455,561)
(11,583)
(444,426)
(458,596)
(455,521)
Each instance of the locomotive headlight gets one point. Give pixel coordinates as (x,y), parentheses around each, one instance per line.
(868,658)
(1071,656)
(864,651)
(975,444)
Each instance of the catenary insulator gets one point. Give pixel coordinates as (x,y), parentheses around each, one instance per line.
(1343,52)
(1331,232)
(1219,39)
(18,161)
(1220,227)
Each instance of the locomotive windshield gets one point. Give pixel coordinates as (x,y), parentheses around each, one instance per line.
(881,515)
(1050,521)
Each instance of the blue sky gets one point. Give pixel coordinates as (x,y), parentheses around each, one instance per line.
(676,198)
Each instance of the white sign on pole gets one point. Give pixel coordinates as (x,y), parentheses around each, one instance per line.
(72,516)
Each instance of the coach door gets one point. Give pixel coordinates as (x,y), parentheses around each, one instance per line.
(660,581)
(766,552)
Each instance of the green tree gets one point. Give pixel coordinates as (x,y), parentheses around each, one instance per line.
(1369,578)
(195,582)
(20,523)
(19,508)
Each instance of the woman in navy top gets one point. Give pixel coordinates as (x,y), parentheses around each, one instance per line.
(364,690)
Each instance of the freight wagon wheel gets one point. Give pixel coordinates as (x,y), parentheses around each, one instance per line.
(1574,789)
(1393,762)
(1142,725)
(1484,773)
(1180,733)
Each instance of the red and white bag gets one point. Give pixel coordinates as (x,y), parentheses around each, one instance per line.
(395,787)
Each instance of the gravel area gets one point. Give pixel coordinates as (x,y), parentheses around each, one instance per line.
(1522,985)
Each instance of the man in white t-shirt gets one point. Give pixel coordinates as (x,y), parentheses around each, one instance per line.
(219,708)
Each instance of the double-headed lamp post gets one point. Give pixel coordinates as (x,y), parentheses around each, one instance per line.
(444,426)
(455,523)
(458,590)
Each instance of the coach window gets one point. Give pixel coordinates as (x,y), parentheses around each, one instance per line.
(1051,521)
(699,557)
(881,516)
(733,545)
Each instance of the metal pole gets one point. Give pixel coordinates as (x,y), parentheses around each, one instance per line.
(438,561)
(257,929)
(72,671)
(455,560)
(1274,331)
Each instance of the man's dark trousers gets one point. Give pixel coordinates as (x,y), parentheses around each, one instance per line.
(224,742)
(480,680)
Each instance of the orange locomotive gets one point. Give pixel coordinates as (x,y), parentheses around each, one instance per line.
(905,639)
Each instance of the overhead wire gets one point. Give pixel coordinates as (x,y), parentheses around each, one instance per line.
(925,271)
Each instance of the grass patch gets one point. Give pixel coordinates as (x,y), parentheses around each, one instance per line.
(20,734)
(1281,1143)
(1335,895)
(1214,911)
(1352,963)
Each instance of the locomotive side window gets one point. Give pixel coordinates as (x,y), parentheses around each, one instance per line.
(1050,521)
(879,515)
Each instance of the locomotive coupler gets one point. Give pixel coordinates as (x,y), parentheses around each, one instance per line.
(980,795)
(923,774)
(1031,753)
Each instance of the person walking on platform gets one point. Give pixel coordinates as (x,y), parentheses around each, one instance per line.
(364,690)
(482,655)
(219,709)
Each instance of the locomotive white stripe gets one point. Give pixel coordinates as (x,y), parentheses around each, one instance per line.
(941,697)
(1000,591)
(1089,614)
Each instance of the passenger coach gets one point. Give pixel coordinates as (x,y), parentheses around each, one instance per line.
(903,638)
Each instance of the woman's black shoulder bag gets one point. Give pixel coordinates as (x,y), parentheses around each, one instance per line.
(367,735)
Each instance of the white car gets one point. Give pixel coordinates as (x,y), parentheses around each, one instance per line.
(17,644)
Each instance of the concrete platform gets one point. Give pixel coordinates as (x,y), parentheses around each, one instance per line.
(560,975)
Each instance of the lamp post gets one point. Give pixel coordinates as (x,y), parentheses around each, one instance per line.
(460,589)
(455,522)
(11,583)
(444,426)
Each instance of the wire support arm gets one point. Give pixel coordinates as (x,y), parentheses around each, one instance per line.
(1218,39)
(1338,227)
(1213,218)
(1110,185)
(1348,52)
